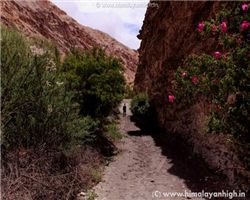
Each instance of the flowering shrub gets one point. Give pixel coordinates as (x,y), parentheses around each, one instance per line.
(224,77)
(36,106)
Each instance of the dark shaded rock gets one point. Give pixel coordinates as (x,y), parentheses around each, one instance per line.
(169,35)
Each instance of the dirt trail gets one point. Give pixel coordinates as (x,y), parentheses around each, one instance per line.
(148,163)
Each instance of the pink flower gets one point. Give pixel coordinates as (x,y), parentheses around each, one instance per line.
(200,27)
(219,107)
(217,54)
(224,26)
(171,98)
(195,79)
(244,25)
(215,81)
(225,55)
(215,28)
(244,7)
(172,87)
(238,40)
(184,74)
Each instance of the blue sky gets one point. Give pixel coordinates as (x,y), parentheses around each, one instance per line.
(121,23)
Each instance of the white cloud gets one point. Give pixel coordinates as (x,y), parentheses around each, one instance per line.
(121,23)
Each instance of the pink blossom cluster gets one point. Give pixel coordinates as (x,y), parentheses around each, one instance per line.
(215,28)
(217,55)
(224,26)
(171,98)
(201,27)
(244,7)
(245,25)
(195,79)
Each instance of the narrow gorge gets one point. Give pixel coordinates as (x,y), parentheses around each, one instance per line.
(87,116)
(168,37)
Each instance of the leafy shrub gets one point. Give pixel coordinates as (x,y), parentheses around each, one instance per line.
(112,131)
(36,107)
(129,93)
(97,80)
(223,77)
(42,131)
(140,105)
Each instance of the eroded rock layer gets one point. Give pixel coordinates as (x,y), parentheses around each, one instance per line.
(44,18)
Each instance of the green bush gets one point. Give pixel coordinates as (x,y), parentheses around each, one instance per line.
(129,92)
(112,131)
(222,78)
(97,80)
(140,105)
(36,107)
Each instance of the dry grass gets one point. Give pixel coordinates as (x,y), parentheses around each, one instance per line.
(46,175)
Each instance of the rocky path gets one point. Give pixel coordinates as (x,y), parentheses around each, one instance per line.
(149,165)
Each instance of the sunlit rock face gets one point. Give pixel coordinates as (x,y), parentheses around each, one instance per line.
(169,35)
(44,18)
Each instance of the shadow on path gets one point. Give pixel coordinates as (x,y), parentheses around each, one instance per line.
(185,164)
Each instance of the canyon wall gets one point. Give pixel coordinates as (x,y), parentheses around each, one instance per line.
(44,18)
(169,35)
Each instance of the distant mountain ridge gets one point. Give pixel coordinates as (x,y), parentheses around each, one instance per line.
(45,18)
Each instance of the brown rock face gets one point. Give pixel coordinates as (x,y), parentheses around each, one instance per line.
(44,18)
(169,35)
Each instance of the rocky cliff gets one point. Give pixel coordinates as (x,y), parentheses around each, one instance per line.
(44,18)
(169,35)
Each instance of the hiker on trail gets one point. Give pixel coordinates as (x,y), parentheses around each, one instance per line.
(124,109)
